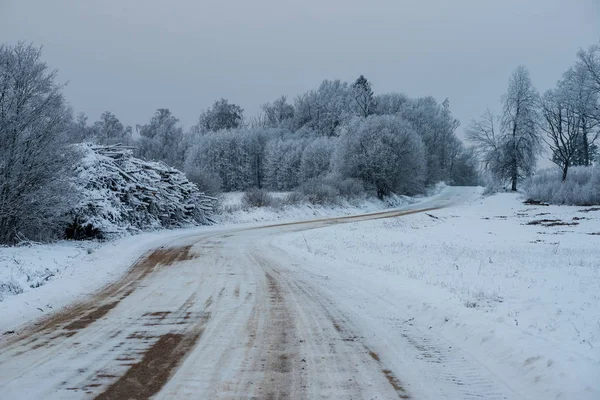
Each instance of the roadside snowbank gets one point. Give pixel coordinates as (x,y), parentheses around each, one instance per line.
(233,211)
(517,286)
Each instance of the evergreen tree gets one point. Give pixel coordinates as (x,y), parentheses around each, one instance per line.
(363,96)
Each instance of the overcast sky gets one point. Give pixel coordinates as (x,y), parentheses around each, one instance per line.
(132,57)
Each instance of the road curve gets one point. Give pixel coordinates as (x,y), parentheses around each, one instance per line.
(209,316)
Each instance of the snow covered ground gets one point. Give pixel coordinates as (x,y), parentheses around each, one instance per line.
(486,298)
(40,279)
(234,212)
(518,286)
(29,267)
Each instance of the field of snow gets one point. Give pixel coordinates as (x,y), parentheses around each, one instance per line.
(516,285)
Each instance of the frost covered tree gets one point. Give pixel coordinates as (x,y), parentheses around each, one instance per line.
(384,152)
(578,88)
(221,116)
(519,121)
(80,131)
(109,130)
(508,149)
(277,113)
(363,96)
(569,119)
(486,135)
(161,139)
(561,126)
(508,146)
(436,126)
(390,103)
(590,60)
(232,160)
(283,158)
(464,168)
(34,159)
(316,158)
(325,109)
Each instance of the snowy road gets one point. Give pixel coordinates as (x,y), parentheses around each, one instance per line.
(227,315)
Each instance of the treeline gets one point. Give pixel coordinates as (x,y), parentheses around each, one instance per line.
(389,142)
(565,119)
(338,139)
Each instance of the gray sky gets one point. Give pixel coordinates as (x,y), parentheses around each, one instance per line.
(132,57)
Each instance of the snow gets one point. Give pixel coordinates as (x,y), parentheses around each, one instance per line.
(233,212)
(523,300)
(490,290)
(25,268)
(124,194)
(74,270)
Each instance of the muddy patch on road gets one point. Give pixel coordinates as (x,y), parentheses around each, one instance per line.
(90,317)
(146,377)
(279,368)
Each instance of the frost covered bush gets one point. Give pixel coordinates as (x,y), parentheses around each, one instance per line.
(317,191)
(294,198)
(123,193)
(331,189)
(348,188)
(207,181)
(257,198)
(581,188)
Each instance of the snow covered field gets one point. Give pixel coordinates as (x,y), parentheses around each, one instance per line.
(516,285)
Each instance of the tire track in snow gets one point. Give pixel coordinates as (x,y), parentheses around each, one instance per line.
(442,363)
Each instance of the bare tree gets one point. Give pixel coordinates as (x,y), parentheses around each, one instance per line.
(579,87)
(486,137)
(562,127)
(34,160)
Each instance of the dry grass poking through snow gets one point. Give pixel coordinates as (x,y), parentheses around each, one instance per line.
(533,266)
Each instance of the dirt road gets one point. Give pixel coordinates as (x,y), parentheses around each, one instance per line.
(220,316)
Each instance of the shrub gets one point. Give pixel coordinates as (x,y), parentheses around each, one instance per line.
(295,198)
(581,188)
(257,198)
(319,192)
(348,188)
(208,182)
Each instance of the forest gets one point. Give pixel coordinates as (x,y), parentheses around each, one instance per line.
(62,176)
